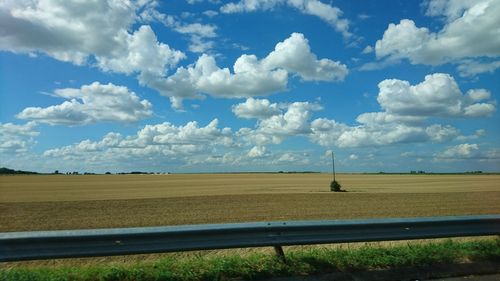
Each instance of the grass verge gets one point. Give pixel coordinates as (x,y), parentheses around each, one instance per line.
(258,266)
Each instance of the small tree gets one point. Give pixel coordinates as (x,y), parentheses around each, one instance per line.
(335,186)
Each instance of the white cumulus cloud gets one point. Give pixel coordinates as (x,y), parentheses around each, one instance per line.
(251,77)
(17,138)
(471,32)
(464,150)
(290,158)
(406,110)
(438,95)
(293,120)
(164,141)
(140,52)
(257,152)
(256,108)
(75,31)
(90,104)
(440,133)
(294,55)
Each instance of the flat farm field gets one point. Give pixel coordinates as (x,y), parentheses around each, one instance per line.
(47,202)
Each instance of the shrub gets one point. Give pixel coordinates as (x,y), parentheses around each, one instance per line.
(335,186)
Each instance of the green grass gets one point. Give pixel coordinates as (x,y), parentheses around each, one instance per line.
(259,266)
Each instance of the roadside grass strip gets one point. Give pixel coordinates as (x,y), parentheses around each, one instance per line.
(256,266)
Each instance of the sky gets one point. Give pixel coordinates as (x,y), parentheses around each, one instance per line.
(249,85)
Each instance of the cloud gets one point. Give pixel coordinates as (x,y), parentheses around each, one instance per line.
(440,133)
(202,30)
(191,133)
(386,118)
(200,34)
(255,108)
(376,65)
(140,52)
(403,40)
(449,9)
(294,55)
(152,141)
(380,135)
(250,6)
(470,33)
(327,13)
(364,16)
(257,152)
(326,132)
(292,120)
(469,68)
(17,138)
(192,2)
(205,77)
(75,32)
(467,151)
(194,145)
(200,45)
(461,151)
(90,104)
(367,50)
(210,13)
(252,77)
(406,108)
(101,33)
(291,158)
(438,95)
(275,122)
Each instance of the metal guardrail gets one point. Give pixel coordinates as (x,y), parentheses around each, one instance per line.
(17,246)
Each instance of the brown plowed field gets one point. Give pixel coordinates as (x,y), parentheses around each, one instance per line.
(72,202)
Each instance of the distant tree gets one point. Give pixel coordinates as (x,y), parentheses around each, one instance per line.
(108,173)
(335,186)
(56,172)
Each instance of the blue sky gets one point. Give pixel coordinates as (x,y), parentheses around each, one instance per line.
(250,85)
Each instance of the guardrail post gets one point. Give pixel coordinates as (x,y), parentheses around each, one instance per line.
(280,253)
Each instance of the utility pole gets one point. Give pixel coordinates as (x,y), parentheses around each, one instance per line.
(333,166)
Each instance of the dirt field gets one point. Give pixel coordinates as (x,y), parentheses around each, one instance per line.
(110,187)
(71,202)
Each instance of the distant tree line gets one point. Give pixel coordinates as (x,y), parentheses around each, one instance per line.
(298,172)
(7,171)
